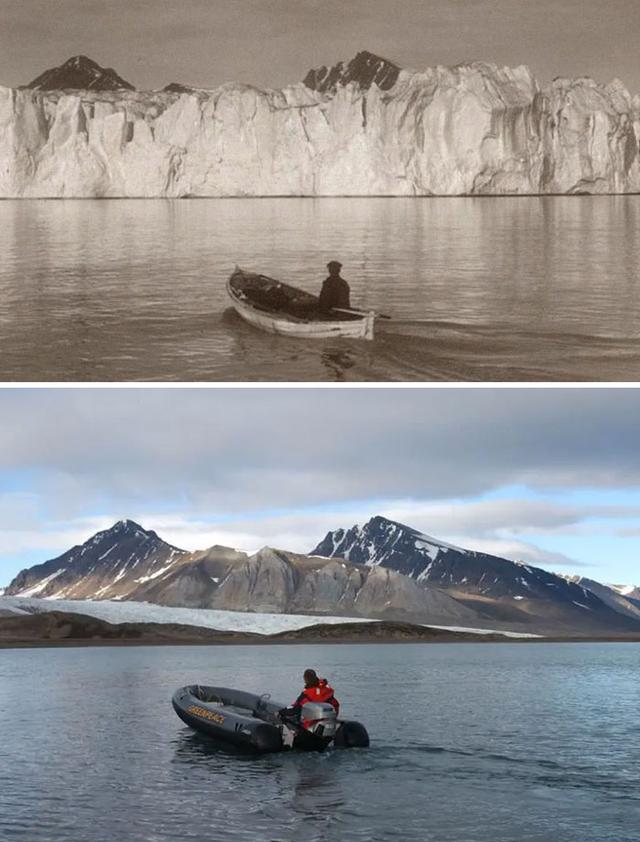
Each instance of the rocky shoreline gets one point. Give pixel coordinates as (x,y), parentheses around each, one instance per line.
(58,628)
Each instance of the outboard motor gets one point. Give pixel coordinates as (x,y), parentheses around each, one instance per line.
(319,719)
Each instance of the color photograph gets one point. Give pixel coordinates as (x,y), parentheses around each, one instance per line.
(383,607)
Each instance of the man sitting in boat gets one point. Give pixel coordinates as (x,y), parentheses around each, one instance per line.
(315,690)
(335,290)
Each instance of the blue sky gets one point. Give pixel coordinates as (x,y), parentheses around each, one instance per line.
(550,476)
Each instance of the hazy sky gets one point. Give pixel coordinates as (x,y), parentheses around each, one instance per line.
(274,42)
(551,476)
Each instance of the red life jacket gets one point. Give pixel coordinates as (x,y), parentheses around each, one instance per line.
(323,692)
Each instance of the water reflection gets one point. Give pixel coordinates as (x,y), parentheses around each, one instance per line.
(464,746)
(315,793)
(193,747)
(505,288)
(337,363)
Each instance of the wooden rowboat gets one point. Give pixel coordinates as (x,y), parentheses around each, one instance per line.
(279,308)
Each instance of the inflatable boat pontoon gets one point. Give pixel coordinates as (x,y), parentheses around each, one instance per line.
(255,723)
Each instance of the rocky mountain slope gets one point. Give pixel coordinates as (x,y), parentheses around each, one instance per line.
(381,570)
(104,566)
(502,589)
(79,73)
(615,598)
(129,562)
(363,71)
(363,127)
(631,592)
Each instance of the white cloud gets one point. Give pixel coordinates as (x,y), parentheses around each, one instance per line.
(521,551)
(212,466)
(224,451)
(486,526)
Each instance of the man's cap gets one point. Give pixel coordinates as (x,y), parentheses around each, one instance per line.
(333,263)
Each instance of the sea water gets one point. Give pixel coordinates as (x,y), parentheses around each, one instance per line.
(483,742)
(530,288)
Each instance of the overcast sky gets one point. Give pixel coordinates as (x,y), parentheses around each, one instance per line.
(551,476)
(274,42)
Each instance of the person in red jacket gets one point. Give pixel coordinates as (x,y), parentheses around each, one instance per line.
(315,690)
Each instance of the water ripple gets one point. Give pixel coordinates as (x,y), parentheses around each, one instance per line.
(501,289)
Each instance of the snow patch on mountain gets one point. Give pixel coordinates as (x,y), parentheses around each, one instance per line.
(632,591)
(40,586)
(433,545)
(495,587)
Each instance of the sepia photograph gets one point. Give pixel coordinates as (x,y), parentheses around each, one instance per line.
(296,190)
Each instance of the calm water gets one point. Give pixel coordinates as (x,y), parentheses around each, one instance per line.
(481,289)
(470,743)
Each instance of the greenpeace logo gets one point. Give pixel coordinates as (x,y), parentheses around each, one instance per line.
(206,714)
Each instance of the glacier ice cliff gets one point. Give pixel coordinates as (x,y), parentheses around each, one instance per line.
(470,129)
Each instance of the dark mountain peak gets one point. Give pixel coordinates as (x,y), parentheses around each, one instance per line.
(80,73)
(81,62)
(379,522)
(380,529)
(367,62)
(125,554)
(126,529)
(365,70)
(124,534)
(504,589)
(381,539)
(178,88)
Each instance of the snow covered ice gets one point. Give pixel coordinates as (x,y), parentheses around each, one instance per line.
(471,129)
(240,621)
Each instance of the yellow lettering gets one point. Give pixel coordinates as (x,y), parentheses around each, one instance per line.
(206,714)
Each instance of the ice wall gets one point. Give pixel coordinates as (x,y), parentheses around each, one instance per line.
(470,129)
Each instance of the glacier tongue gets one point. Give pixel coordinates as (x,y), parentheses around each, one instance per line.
(470,129)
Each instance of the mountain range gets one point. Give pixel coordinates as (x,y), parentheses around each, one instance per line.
(361,127)
(382,570)
(504,590)
(80,73)
(129,562)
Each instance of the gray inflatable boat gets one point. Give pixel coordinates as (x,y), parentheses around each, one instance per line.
(255,723)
